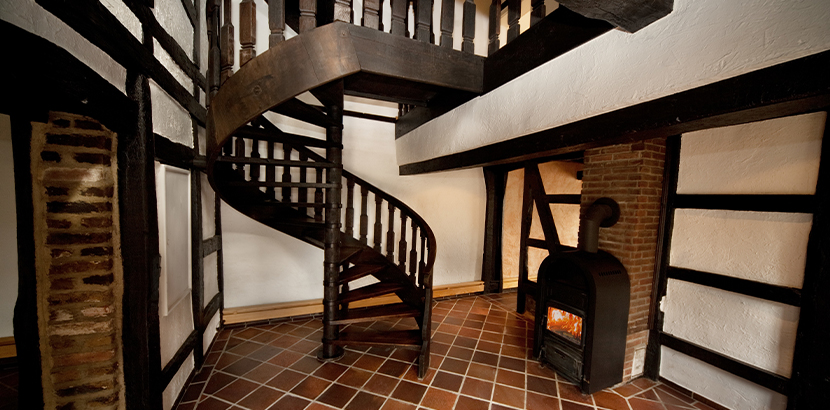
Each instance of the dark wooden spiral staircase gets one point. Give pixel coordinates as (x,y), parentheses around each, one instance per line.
(297,185)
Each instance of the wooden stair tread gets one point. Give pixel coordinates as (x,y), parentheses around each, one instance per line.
(359,271)
(398,310)
(399,338)
(370,291)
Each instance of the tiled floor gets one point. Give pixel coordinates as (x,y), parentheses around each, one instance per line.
(479,361)
(8,388)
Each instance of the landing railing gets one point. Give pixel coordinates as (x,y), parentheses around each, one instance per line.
(286,170)
(409,18)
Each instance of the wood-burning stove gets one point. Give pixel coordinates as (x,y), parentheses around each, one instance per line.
(582,307)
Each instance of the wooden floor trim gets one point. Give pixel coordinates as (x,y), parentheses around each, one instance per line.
(7,347)
(309,307)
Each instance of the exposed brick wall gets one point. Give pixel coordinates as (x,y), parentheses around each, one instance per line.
(78,264)
(632,175)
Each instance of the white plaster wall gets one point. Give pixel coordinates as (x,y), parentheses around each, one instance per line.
(260,263)
(33,18)
(172,16)
(8,231)
(779,156)
(208,208)
(760,246)
(749,329)
(177,383)
(724,388)
(125,16)
(700,42)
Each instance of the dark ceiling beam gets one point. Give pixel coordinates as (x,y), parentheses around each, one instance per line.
(629,15)
(790,88)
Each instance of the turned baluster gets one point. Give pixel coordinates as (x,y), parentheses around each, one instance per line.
(364,214)
(422,266)
(286,173)
(402,245)
(350,207)
(378,236)
(468,27)
(247,31)
(308,15)
(447,22)
(318,195)
(255,168)
(495,27)
(302,192)
(270,171)
(240,153)
(342,10)
(226,42)
(371,18)
(538,11)
(390,234)
(513,12)
(413,252)
(276,22)
(214,70)
(399,17)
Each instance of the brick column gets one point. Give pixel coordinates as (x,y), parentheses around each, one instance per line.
(78,264)
(632,175)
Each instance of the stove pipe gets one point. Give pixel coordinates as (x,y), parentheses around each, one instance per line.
(604,212)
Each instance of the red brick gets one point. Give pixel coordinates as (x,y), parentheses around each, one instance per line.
(83,358)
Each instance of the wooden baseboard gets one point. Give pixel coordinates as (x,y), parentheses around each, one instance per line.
(513,283)
(7,347)
(315,306)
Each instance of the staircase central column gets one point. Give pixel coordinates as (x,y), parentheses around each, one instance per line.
(334,134)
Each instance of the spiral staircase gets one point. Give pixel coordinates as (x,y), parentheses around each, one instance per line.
(296,184)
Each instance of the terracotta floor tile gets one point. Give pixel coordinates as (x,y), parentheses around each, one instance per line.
(481,371)
(265,337)
(286,380)
(241,366)
(290,403)
(412,375)
(306,364)
(470,332)
(464,341)
(510,378)
(217,381)
(330,371)
(460,353)
(337,395)
(672,396)
(381,384)
(311,387)
(440,348)
(643,383)
(409,392)
(191,393)
(536,401)
(285,341)
(236,390)
(319,406)
(490,347)
(509,396)
(570,392)
(369,362)
(440,337)
(393,368)
(542,386)
(491,337)
(397,405)
(448,381)
(512,363)
(439,399)
(649,394)
(354,377)
(612,401)
(306,347)
(226,360)
(569,405)
(477,388)
(447,328)
(212,404)
(365,401)
(468,403)
(263,373)
(405,355)
(265,353)
(628,390)
(455,365)
(640,404)
(457,321)
(247,333)
(486,358)
(286,358)
(261,399)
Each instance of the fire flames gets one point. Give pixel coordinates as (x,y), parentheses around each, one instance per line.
(565,324)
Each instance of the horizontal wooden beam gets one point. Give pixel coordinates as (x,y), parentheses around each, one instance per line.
(172,367)
(97,24)
(173,153)
(573,199)
(749,372)
(790,88)
(756,203)
(781,294)
(211,245)
(629,15)
(211,308)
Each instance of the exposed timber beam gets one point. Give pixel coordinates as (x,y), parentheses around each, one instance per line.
(629,15)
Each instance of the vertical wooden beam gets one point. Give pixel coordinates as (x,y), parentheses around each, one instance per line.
(247,31)
(495,27)
(197,257)
(513,12)
(495,181)
(276,22)
(527,220)
(398,17)
(671,170)
(447,22)
(334,154)
(468,27)
(810,383)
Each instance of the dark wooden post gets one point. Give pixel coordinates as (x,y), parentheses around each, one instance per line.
(495,181)
(226,42)
(447,22)
(350,207)
(468,27)
(270,172)
(286,174)
(398,17)
(214,65)
(527,219)
(413,253)
(247,31)
(513,12)
(255,168)
(537,12)
(378,235)
(402,244)
(334,154)
(495,27)
(364,214)
(422,20)
(390,234)
(276,22)
(371,18)
(308,15)
(318,194)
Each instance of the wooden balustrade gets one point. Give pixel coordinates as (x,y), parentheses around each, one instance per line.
(226,44)
(513,14)
(247,31)
(495,27)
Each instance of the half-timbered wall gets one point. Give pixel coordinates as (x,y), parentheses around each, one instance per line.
(773,157)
